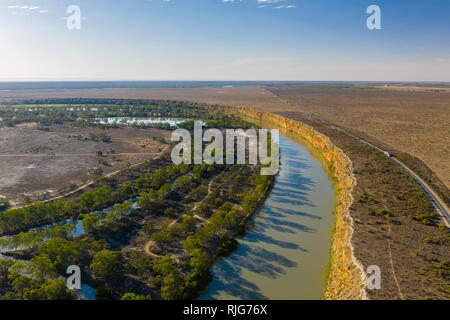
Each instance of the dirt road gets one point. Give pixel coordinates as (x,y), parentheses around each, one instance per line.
(440,205)
(84,186)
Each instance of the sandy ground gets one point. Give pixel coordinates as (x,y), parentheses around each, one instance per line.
(34,162)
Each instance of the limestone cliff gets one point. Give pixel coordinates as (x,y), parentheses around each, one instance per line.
(346,278)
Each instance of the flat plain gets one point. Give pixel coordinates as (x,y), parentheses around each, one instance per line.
(410,119)
(35,162)
(414,120)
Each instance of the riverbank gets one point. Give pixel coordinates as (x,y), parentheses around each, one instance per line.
(346,276)
(286,246)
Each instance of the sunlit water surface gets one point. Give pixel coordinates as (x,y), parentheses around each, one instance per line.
(286,249)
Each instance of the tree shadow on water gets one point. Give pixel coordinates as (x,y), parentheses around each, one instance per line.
(227,280)
(289,194)
(284,200)
(265,225)
(228,273)
(283,212)
(295,183)
(272,222)
(258,237)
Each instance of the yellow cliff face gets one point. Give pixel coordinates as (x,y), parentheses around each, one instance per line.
(346,278)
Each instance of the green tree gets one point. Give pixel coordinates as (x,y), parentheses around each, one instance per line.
(191,243)
(98,172)
(158,178)
(146,200)
(169,277)
(140,261)
(164,191)
(104,293)
(42,267)
(107,265)
(204,209)
(90,222)
(133,296)
(199,260)
(4,272)
(172,287)
(119,211)
(60,252)
(126,190)
(143,182)
(164,265)
(249,203)
(56,290)
(188,224)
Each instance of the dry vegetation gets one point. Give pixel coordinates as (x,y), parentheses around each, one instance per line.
(44,163)
(410,120)
(235,96)
(413,122)
(396,226)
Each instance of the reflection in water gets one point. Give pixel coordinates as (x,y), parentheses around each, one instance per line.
(287,247)
(142,120)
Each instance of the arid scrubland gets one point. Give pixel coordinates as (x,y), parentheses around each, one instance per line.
(411,121)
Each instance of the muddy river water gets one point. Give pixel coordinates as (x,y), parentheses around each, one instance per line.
(286,249)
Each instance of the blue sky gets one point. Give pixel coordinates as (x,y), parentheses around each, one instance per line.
(225,40)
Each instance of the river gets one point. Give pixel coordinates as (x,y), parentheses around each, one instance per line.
(286,249)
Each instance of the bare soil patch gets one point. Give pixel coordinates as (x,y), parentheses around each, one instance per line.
(35,162)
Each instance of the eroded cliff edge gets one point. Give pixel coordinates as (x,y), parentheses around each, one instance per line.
(346,277)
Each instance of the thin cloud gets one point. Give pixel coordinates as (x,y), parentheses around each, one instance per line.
(25,10)
(269,1)
(274,4)
(284,7)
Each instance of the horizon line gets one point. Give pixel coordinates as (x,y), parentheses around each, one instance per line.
(216,80)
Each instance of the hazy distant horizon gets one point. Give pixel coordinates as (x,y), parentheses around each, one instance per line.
(68,85)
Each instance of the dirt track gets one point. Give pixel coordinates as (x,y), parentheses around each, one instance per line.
(33,162)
